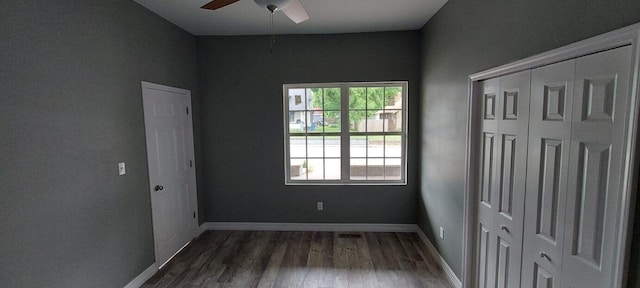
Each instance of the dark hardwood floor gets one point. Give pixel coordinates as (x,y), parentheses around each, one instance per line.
(302,259)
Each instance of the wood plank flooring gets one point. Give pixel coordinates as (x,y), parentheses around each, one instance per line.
(269,259)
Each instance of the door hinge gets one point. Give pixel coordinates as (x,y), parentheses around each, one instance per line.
(190,163)
(194,215)
(187,110)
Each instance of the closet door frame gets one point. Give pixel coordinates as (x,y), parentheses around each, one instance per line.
(629,35)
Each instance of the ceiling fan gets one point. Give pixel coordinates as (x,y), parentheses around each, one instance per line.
(292,8)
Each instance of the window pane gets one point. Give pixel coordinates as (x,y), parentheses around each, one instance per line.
(375,146)
(393,146)
(316,120)
(332,146)
(375,123)
(357,121)
(315,169)
(331,121)
(315,99)
(332,169)
(393,94)
(358,168)
(358,146)
(357,98)
(393,119)
(297,147)
(393,168)
(297,122)
(297,99)
(331,99)
(315,146)
(375,98)
(375,168)
(297,171)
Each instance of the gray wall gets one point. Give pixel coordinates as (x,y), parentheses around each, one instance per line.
(242,124)
(71,109)
(467,37)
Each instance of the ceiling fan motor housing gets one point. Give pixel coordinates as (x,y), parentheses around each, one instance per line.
(268,4)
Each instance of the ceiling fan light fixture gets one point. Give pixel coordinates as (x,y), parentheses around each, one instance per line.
(280,4)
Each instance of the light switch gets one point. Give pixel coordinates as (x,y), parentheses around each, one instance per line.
(121,169)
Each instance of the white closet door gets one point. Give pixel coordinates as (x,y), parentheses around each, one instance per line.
(502,174)
(513,123)
(486,233)
(597,142)
(549,143)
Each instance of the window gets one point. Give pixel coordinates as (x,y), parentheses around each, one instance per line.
(345,133)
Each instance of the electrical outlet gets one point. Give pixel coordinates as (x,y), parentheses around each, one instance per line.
(121,169)
(441,233)
(320,206)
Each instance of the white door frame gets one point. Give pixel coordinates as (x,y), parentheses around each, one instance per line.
(191,150)
(625,36)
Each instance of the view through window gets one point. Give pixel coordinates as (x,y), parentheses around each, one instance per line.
(345,133)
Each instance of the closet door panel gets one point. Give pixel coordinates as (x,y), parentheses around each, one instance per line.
(485,261)
(593,195)
(542,278)
(487,237)
(488,169)
(548,155)
(513,133)
(502,175)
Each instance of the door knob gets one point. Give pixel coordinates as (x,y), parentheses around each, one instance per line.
(504,228)
(158,188)
(544,255)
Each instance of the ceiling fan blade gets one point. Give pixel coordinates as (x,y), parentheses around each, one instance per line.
(215,4)
(296,12)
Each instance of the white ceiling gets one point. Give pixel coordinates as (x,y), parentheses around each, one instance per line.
(326,16)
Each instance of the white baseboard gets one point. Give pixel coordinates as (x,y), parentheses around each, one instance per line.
(447,269)
(339,227)
(143,277)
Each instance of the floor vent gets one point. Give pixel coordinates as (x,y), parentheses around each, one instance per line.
(349,235)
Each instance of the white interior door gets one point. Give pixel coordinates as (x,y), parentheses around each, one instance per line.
(549,142)
(170,154)
(502,174)
(513,132)
(487,204)
(595,168)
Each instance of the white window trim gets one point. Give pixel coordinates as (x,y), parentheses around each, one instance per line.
(345,134)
